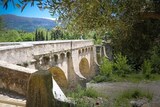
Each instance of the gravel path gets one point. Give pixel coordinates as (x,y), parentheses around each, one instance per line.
(111,90)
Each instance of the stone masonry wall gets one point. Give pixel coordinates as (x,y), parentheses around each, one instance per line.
(14,78)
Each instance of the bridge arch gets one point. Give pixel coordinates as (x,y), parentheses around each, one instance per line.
(55,58)
(68,54)
(86,50)
(79,51)
(84,67)
(59,76)
(83,50)
(45,60)
(62,56)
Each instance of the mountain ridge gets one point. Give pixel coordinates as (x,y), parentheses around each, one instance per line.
(28,24)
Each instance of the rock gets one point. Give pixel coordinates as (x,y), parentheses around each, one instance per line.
(138,103)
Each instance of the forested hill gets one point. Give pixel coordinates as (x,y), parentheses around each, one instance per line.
(25,23)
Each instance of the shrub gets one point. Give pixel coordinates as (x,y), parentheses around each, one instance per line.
(155,59)
(80,92)
(100,78)
(90,92)
(106,68)
(147,68)
(120,65)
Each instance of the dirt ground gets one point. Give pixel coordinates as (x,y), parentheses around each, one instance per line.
(112,90)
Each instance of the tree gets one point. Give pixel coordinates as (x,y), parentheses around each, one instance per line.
(10,36)
(86,15)
(57,33)
(27,36)
(40,34)
(47,35)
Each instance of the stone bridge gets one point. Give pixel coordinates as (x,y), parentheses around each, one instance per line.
(69,61)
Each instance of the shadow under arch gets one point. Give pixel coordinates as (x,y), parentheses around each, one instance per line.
(84,68)
(59,76)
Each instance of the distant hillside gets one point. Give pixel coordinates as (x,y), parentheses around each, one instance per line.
(25,23)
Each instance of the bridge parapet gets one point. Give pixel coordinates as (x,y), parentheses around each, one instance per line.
(20,52)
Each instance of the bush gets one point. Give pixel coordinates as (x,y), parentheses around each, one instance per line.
(147,68)
(99,78)
(155,59)
(121,67)
(27,37)
(80,92)
(90,92)
(106,68)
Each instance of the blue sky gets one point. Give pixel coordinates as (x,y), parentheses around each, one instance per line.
(29,11)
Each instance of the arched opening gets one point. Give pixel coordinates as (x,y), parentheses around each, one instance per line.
(62,56)
(79,51)
(91,48)
(84,67)
(45,60)
(86,50)
(59,76)
(82,50)
(68,54)
(55,58)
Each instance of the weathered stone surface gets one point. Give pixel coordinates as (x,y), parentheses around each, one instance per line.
(39,92)
(42,55)
(66,55)
(14,77)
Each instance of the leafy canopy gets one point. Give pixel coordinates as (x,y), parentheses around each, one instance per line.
(90,15)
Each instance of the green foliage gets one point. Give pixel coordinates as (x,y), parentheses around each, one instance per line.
(155,59)
(15,36)
(147,68)
(79,92)
(121,67)
(136,94)
(98,41)
(136,42)
(40,34)
(10,36)
(100,78)
(79,95)
(123,100)
(56,33)
(27,36)
(119,70)
(90,92)
(91,15)
(106,67)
